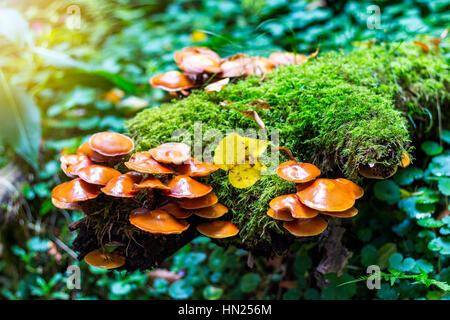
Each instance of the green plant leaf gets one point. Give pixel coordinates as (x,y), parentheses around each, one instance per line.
(431,148)
(444,186)
(423,265)
(440,165)
(20,121)
(397,262)
(387,191)
(212,293)
(384,254)
(440,244)
(180,290)
(446,136)
(430,223)
(407,176)
(121,288)
(369,255)
(249,282)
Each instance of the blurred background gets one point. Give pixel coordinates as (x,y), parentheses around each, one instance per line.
(68,69)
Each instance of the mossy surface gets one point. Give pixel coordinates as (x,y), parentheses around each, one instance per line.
(337,111)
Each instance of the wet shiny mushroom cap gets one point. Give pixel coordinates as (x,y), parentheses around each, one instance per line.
(180,55)
(186,187)
(198,63)
(75,190)
(176,211)
(283,215)
(71,164)
(198,203)
(297,172)
(66,205)
(292,204)
(157,221)
(343,214)
(235,66)
(172,152)
(218,229)
(306,227)
(405,160)
(353,187)
(172,81)
(286,58)
(97,174)
(84,149)
(123,186)
(151,183)
(213,212)
(195,168)
(111,144)
(104,260)
(327,195)
(258,66)
(143,162)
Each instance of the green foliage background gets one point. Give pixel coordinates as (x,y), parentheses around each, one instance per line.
(64,74)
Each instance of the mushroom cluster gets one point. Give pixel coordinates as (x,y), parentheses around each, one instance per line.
(179,196)
(200,65)
(300,211)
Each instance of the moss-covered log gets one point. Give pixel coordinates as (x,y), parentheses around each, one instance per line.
(338,111)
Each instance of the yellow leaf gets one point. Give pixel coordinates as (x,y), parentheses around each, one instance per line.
(244,175)
(230,151)
(254,148)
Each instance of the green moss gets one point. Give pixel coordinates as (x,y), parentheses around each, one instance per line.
(337,111)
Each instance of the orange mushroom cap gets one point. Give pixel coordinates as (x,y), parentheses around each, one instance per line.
(172,81)
(258,66)
(306,227)
(198,203)
(172,152)
(111,144)
(291,203)
(152,183)
(104,260)
(297,172)
(235,66)
(285,58)
(195,168)
(215,211)
(218,229)
(327,195)
(144,163)
(198,60)
(186,187)
(157,221)
(283,215)
(353,187)
(343,214)
(91,154)
(304,185)
(97,174)
(123,186)
(405,160)
(71,164)
(66,205)
(74,191)
(176,211)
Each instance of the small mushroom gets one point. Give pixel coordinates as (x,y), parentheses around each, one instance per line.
(218,229)
(186,187)
(71,164)
(198,203)
(84,149)
(75,190)
(104,260)
(258,66)
(353,187)
(195,168)
(111,144)
(286,58)
(213,212)
(306,227)
(157,221)
(327,195)
(151,183)
(172,152)
(123,186)
(172,81)
(181,55)
(176,211)
(194,60)
(297,172)
(235,66)
(344,214)
(292,204)
(377,171)
(144,163)
(405,160)
(66,205)
(283,215)
(97,174)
